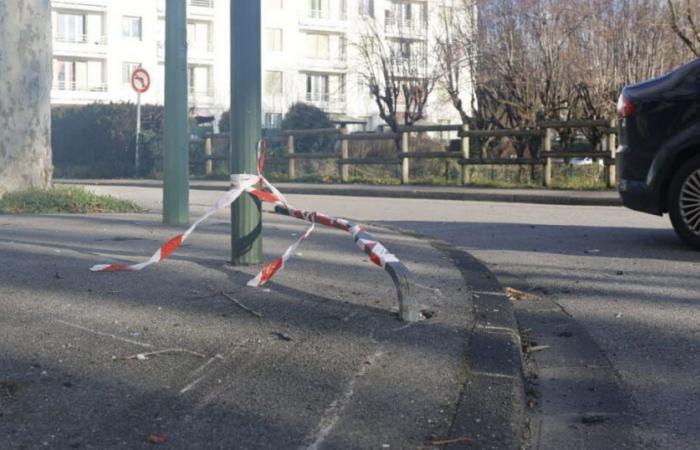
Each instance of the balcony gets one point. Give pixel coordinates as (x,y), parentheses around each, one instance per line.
(321,19)
(88,5)
(80,44)
(205,7)
(339,63)
(80,87)
(201,3)
(195,50)
(200,96)
(73,93)
(80,39)
(332,103)
(406,28)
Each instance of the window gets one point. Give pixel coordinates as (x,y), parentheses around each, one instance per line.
(318,46)
(318,9)
(317,88)
(131,27)
(272,120)
(199,36)
(274,39)
(273,83)
(78,75)
(128,69)
(70,28)
(366,8)
(199,80)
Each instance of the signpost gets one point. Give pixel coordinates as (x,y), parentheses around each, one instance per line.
(140,82)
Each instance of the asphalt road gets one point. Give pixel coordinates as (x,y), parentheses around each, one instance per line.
(621,276)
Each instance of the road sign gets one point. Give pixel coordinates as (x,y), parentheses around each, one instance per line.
(140,80)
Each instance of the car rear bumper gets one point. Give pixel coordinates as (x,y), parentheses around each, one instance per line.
(636,194)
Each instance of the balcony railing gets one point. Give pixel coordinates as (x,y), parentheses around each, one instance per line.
(80,39)
(202,3)
(200,47)
(80,87)
(321,17)
(197,46)
(406,27)
(325,101)
(335,63)
(200,92)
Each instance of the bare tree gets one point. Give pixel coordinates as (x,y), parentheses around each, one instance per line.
(532,60)
(684,22)
(398,76)
(25,110)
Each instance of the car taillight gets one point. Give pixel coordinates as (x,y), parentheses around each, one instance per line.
(625,107)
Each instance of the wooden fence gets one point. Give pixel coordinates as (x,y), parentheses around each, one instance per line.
(545,130)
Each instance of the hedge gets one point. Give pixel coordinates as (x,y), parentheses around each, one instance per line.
(98,140)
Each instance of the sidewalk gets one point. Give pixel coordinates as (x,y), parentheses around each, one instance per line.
(328,365)
(541,196)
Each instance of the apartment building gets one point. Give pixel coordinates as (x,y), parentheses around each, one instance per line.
(309,52)
(98,44)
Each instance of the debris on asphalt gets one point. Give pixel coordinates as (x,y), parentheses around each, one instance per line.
(537,348)
(592,251)
(619,273)
(565,334)
(145,356)
(428,314)
(282,336)
(515,295)
(457,440)
(242,306)
(8,388)
(618,316)
(156,438)
(592,419)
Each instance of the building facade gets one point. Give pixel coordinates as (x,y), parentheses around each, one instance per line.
(310,52)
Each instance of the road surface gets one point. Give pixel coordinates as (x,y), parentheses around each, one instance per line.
(621,278)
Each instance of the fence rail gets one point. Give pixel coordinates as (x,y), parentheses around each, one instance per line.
(545,131)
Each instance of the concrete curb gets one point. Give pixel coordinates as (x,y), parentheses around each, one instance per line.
(415,192)
(491,410)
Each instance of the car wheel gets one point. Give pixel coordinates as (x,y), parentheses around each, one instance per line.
(684,203)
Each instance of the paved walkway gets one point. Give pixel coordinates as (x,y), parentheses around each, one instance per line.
(541,196)
(322,363)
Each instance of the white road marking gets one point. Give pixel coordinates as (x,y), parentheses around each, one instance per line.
(332,414)
(100,333)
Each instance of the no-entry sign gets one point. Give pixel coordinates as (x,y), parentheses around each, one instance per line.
(140,80)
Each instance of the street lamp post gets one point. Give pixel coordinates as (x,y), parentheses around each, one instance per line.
(176,151)
(246,113)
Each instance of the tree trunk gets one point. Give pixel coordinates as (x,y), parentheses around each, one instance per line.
(25,95)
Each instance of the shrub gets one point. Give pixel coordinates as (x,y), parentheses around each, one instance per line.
(98,140)
(301,116)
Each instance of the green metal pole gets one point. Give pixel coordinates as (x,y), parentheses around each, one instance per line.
(176,151)
(246,113)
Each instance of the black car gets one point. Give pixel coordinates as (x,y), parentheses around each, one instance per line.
(658,162)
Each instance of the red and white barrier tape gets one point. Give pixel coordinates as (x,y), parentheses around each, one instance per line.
(241,183)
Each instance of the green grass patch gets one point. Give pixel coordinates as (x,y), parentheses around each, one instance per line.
(63,199)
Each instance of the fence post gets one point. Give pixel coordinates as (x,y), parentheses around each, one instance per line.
(466,174)
(612,148)
(548,161)
(405,165)
(344,154)
(208,165)
(291,162)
